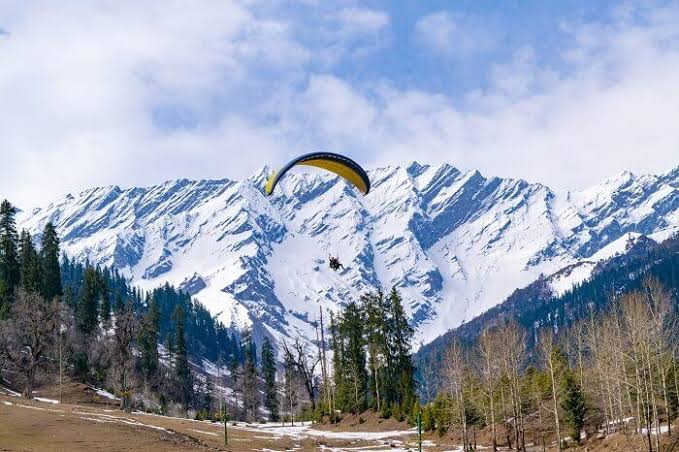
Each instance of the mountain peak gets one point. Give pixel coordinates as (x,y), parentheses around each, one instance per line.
(454,243)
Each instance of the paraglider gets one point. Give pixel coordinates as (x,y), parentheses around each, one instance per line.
(335,163)
(334,262)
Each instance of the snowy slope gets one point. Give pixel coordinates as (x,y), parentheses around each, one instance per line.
(455,243)
(567,277)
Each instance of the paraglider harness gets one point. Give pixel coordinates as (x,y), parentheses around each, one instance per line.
(335,264)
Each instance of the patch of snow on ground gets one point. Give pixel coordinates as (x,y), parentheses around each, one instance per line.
(44,400)
(105,393)
(9,391)
(663,430)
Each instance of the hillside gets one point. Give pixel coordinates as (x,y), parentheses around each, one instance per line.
(537,305)
(454,243)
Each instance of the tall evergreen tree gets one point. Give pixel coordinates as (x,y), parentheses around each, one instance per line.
(181,360)
(337,347)
(148,342)
(249,381)
(378,352)
(87,309)
(119,304)
(29,263)
(269,374)
(105,296)
(574,406)
(10,273)
(355,378)
(399,335)
(49,257)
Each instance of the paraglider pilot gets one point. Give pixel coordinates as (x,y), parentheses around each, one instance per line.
(335,264)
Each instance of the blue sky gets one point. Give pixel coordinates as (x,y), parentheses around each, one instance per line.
(134,93)
(492,31)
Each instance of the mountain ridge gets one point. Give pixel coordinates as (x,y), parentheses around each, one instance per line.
(455,243)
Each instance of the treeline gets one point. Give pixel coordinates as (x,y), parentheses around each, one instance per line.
(95,293)
(370,368)
(22,266)
(87,323)
(536,307)
(613,372)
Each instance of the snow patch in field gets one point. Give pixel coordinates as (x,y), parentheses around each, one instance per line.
(99,421)
(205,433)
(9,391)
(304,431)
(663,429)
(105,393)
(37,408)
(44,400)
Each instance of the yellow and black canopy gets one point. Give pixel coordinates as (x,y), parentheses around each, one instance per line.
(335,163)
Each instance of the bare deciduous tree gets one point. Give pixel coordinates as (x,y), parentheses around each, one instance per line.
(489,372)
(305,365)
(549,356)
(123,337)
(29,335)
(455,371)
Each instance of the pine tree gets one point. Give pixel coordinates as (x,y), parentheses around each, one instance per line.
(574,406)
(355,379)
(337,347)
(87,310)
(428,420)
(5,297)
(208,396)
(10,272)
(119,304)
(148,341)
(181,360)
(250,387)
(399,335)
(105,297)
(373,305)
(29,263)
(269,375)
(49,257)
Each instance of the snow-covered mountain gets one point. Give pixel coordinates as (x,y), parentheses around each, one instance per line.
(455,243)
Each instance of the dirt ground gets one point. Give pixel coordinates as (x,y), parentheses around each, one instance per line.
(90,422)
(367,422)
(38,426)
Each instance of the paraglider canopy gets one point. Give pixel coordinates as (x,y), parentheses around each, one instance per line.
(335,163)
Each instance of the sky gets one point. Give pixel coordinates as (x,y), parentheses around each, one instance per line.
(566,93)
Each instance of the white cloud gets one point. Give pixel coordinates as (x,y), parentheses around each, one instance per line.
(136,93)
(452,35)
(83,85)
(614,108)
(350,33)
(355,21)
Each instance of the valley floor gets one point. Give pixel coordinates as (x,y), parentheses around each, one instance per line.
(46,425)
